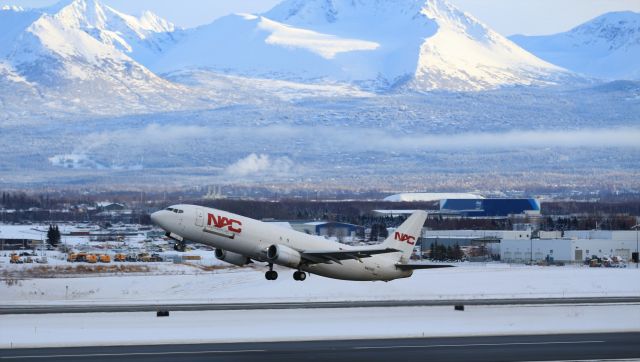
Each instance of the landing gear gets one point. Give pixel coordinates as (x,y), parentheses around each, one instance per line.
(271,274)
(299,276)
(180,246)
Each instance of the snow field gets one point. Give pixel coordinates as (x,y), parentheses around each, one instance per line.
(248,285)
(62,330)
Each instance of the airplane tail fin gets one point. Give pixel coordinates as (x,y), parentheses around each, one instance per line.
(404,238)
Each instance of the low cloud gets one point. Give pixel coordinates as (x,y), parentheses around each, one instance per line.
(262,164)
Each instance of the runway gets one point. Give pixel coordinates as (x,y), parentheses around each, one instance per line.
(96,308)
(574,347)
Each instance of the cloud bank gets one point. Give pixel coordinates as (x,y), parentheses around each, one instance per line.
(262,164)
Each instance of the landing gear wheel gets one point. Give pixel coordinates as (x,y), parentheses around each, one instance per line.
(299,276)
(271,275)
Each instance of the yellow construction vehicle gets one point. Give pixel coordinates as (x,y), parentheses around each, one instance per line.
(104,258)
(91,259)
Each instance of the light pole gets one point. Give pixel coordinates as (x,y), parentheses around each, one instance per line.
(637,227)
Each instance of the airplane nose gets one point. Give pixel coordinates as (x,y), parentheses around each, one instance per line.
(155,218)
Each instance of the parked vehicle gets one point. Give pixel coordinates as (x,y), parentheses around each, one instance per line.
(91,259)
(15,259)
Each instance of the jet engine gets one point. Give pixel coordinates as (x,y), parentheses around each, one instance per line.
(232,258)
(284,255)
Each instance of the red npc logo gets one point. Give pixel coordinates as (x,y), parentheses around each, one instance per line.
(405,238)
(221,222)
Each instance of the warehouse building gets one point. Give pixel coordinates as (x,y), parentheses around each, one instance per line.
(574,247)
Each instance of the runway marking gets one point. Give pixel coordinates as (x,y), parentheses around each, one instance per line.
(480,345)
(264,350)
(137,354)
(594,360)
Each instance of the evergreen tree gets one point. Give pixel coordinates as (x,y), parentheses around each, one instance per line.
(457,253)
(53,235)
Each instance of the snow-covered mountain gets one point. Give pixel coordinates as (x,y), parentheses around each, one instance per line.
(142,38)
(74,54)
(422,44)
(606,47)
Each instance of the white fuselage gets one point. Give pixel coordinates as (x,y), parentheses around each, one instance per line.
(252,238)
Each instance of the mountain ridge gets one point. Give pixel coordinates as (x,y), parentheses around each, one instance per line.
(389,44)
(603,47)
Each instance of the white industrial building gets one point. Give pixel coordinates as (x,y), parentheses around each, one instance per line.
(519,247)
(430,196)
(573,247)
(473,234)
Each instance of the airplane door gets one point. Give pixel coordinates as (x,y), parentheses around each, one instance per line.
(199,217)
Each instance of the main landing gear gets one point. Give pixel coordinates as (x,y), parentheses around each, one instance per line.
(271,274)
(299,276)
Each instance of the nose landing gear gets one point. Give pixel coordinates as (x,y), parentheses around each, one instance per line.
(299,276)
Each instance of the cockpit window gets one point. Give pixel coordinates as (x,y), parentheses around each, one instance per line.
(169,209)
(177,211)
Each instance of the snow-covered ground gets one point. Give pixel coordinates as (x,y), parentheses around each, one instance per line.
(182,284)
(57,330)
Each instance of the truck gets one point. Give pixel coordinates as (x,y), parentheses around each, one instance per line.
(82,257)
(15,259)
(104,258)
(91,259)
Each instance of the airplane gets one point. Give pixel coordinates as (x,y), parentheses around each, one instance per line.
(241,240)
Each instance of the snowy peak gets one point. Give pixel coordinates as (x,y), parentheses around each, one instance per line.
(152,22)
(11,8)
(617,29)
(606,47)
(78,54)
(93,14)
(317,12)
(142,38)
(376,44)
(81,14)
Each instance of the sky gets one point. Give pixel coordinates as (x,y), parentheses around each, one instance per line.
(530,17)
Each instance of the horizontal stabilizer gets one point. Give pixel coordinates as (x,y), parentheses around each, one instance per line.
(422,266)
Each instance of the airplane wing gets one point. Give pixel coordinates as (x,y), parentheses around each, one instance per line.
(336,256)
(422,266)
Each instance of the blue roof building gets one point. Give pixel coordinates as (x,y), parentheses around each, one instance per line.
(489,207)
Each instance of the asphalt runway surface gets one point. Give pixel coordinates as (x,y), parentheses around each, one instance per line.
(574,347)
(96,308)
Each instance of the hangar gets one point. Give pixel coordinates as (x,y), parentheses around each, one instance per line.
(574,247)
